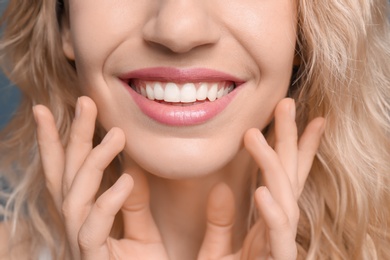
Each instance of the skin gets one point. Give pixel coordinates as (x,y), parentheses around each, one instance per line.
(133,35)
(88,221)
(190,201)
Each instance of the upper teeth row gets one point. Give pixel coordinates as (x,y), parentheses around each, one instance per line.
(184,93)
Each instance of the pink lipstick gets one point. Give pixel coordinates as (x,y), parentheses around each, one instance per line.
(181,97)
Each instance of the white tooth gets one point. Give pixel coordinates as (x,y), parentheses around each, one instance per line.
(212,93)
(158,91)
(188,93)
(225,91)
(149,92)
(172,93)
(201,93)
(220,93)
(143,91)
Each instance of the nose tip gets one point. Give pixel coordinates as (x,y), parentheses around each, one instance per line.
(180,27)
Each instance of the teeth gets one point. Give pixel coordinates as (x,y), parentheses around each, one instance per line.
(188,93)
(143,92)
(172,93)
(220,93)
(212,94)
(158,91)
(150,92)
(201,93)
(182,93)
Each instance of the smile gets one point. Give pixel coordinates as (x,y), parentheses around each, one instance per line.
(181,97)
(188,93)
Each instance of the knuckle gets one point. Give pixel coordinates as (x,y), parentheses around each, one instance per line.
(85,239)
(67,208)
(289,220)
(296,214)
(284,222)
(100,204)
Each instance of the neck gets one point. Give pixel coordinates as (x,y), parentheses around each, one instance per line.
(179,206)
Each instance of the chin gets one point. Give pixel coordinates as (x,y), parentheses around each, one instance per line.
(181,163)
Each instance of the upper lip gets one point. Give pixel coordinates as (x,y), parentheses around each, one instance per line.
(179,75)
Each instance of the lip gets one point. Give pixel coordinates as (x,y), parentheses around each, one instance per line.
(180,115)
(180,75)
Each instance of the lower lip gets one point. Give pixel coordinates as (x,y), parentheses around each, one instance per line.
(180,115)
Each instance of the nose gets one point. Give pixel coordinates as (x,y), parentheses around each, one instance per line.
(181,25)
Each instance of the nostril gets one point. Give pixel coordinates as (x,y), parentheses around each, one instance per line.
(175,30)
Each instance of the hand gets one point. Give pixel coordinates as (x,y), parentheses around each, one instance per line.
(284,171)
(73,177)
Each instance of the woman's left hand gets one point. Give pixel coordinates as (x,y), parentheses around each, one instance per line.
(284,171)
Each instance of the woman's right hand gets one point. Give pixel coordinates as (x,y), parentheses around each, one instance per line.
(73,177)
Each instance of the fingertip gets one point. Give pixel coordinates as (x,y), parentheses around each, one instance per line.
(312,134)
(270,210)
(286,104)
(139,198)
(262,194)
(221,205)
(220,220)
(46,125)
(321,121)
(117,135)
(250,134)
(118,132)
(124,182)
(40,112)
(87,103)
(253,138)
(128,179)
(120,135)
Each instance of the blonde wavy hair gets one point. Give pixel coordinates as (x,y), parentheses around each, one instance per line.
(344,75)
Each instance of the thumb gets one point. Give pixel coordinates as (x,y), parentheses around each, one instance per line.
(139,224)
(220,220)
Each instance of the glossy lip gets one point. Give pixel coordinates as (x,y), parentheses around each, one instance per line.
(180,115)
(180,75)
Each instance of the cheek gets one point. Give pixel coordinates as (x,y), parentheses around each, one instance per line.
(99,27)
(180,153)
(267,32)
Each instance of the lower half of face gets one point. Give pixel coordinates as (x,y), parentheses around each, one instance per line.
(186,90)
(171,141)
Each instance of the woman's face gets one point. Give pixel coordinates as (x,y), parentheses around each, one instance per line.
(214,68)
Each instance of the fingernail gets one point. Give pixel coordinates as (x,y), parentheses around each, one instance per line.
(107,137)
(36,117)
(119,185)
(322,129)
(292,109)
(78,109)
(261,138)
(265,195)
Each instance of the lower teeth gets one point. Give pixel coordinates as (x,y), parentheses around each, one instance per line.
(180,104)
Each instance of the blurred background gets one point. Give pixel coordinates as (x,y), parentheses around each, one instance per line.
(9,94)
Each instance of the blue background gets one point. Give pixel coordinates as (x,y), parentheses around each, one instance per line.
(9,94)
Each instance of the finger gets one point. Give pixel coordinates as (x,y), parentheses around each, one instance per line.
(307,148)
(255,245)
(51,151)
(95,231)
(281,232)
(80,141)
(87,181)
(220,220)
(286,139)
(81,196)
(139,224)
(272,171)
